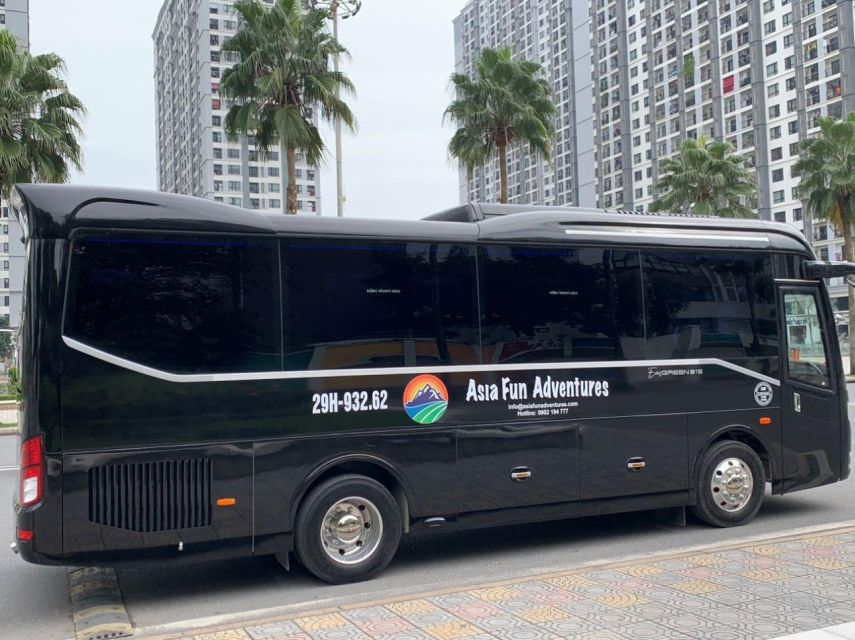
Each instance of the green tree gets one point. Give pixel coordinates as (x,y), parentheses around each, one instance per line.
(282,81)
(706,178)
(39,127)
(507,102)
(827,170)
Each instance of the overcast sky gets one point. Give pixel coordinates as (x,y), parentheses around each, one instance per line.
(403,53)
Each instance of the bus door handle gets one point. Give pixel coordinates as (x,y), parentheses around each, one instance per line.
(518,474)
(635,464)
(797,403)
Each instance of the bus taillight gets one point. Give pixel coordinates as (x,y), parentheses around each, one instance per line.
(32,484)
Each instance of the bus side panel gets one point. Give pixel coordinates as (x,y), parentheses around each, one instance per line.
(421,460)
(126,506)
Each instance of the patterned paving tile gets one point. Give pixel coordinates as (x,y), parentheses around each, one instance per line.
(765,575)
(231,634)
(494,594)
(613,618)
(706,559)
(433,619)
(368,614)
(343,633)
(264,631)
(570,582)
(452,630)
(822,541)
(697,586)
(390,629)
(312,624)
(411,607)
(641,570)
(622,600)
(570,626)
(648,629)
(767,549)
(829,563)
(475,612)
(689,623)
(524,633)
(538,615)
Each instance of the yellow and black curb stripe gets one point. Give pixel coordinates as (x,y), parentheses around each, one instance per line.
(96,605)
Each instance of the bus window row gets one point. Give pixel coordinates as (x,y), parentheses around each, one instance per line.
(210,304)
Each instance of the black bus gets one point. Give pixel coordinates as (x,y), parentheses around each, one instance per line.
(202,381)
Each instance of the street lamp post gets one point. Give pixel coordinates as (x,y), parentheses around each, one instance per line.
(344,9)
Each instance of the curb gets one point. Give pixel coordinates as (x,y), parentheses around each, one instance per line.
(221,624)
(9,432)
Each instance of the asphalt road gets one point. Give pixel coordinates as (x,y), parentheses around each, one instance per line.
(34,600)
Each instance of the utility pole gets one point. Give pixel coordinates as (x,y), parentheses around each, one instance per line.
(344,9)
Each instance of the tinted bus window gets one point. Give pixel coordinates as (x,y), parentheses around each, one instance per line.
(709,305)
(560,304)
(352,304)
(176,303)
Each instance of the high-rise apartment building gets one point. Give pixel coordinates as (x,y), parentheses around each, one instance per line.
(556,34)
(756,73)
(15,17)
(194,155)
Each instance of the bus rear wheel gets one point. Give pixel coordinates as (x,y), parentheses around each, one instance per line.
(347,529)
(730,485)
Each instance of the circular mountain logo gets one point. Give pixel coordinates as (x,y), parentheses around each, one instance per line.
(425,399)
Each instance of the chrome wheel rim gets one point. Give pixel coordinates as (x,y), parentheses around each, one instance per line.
(351,530)
(732,484)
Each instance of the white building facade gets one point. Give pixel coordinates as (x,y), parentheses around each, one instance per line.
(194,155)
(756,73)
(15,17)
(556,34)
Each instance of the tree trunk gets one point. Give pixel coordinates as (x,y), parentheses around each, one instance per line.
(292,180)
(503,173)
(848,256)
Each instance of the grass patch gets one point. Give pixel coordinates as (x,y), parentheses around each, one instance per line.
(11,425)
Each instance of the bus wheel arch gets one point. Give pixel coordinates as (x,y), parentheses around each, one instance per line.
(363,465)
(739,433)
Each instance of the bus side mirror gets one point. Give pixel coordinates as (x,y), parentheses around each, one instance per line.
(817,270)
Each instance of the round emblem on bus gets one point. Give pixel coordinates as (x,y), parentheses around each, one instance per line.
(763,394)
(425,399)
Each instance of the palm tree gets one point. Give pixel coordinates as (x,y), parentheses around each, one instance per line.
(506,103)
(39,127)
(827,170)
(706,178)
(283,79)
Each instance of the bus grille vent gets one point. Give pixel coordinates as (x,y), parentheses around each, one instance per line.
(151,496)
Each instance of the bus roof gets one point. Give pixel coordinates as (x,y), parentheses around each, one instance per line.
(56,211)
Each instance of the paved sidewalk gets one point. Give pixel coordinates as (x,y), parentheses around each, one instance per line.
(769,589)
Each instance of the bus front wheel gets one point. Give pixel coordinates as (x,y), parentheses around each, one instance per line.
(347,529)
(730,485)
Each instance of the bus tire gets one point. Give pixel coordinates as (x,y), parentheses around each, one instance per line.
(347,529)
(730,485)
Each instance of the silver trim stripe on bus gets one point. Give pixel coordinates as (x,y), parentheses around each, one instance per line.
(644,233)
(393,371)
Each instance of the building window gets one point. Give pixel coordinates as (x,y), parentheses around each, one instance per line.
(777,175)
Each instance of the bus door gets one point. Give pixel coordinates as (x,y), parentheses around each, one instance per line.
(809,406)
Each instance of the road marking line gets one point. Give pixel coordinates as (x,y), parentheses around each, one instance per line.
(344,603)
(9,468)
